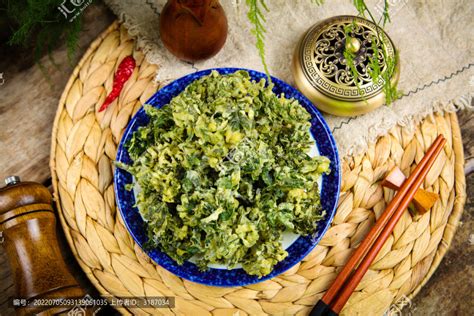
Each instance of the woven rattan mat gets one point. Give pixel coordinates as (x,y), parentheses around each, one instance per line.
(84,145)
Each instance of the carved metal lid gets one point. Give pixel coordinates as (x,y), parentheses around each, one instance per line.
(324,75)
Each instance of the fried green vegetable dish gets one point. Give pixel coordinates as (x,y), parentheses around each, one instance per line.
(223,171)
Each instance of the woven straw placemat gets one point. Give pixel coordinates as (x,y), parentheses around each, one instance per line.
(84,145)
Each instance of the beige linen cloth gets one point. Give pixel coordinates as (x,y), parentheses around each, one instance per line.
(434,39)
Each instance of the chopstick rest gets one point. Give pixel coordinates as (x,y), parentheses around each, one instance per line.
(423,199)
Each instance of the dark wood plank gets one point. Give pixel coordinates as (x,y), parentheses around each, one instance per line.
(29,98)
(27,107)
(466,119)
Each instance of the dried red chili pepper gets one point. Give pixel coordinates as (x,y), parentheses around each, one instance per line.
(123,73)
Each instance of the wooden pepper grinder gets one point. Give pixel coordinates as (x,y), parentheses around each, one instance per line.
(28,226)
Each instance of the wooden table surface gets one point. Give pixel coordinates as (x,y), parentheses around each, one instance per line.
(28,101)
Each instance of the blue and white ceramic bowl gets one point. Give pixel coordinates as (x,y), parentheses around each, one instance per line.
(297,247)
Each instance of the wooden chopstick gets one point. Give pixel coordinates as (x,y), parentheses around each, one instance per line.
(327,301)
(351,284)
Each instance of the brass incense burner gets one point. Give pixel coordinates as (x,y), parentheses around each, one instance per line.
(322,73)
